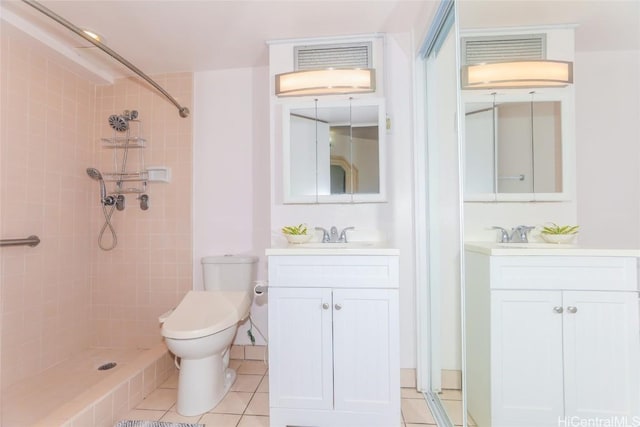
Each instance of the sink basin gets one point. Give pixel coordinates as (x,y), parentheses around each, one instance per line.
(320,245)
(535,245)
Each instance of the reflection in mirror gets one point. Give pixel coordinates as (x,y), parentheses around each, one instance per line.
(439,263)
(513,147)
(354,149)
(333,150)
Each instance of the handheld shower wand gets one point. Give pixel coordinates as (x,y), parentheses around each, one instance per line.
(95,174)
(105,201)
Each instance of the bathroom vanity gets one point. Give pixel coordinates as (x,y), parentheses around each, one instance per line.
(334,336)
(551,334)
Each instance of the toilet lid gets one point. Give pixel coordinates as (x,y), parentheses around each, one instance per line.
(202,313)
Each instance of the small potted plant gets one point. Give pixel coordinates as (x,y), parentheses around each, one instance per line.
(296,233)
(555,233)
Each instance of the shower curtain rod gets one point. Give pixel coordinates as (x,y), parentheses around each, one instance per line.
(183,111)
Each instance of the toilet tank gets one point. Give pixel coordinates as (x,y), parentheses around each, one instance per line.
(229,272)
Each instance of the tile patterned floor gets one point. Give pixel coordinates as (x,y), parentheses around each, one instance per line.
(247,404)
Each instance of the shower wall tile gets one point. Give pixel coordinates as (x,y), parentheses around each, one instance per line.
(67,294)
(44,150)
(150,269)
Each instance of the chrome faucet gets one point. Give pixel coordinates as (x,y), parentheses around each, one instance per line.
(518,234)
(332,235)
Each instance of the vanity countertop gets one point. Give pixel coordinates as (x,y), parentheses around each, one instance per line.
(546,249)
(351,248)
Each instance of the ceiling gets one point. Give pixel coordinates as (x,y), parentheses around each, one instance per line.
(601,24)
(164,36)
(185,35)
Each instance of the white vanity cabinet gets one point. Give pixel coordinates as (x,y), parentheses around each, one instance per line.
(550,338)
(334,341)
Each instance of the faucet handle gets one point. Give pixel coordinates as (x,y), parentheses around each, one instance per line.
(520,232)
(325,234)
(343,234)
(504,234)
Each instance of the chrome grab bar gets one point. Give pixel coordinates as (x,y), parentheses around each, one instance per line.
(29,241)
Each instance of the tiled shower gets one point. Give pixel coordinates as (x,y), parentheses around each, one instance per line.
(66,294)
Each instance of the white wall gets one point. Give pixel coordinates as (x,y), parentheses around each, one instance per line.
(608,149)
(231,170)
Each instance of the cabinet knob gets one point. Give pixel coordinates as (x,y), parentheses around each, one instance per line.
(557,309)
(571,309)
(338,307)
(325,306)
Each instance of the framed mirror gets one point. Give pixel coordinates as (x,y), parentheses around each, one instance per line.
(517,146)
(334,152)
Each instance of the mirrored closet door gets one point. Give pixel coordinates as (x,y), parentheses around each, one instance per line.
(439,219)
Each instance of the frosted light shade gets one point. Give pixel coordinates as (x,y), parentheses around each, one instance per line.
(517,74)
(326,82)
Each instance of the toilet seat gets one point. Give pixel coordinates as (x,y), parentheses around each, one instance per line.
(202,313)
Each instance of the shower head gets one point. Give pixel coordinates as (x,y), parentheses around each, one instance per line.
(119,123)
(95,174)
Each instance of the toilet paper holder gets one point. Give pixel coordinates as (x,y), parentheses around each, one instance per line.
(260,288)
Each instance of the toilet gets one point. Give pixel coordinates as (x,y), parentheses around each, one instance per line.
(201,328)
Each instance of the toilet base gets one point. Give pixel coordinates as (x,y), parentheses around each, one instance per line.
(202,384)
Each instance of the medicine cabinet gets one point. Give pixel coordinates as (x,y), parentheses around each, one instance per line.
(334,151)
(518,146)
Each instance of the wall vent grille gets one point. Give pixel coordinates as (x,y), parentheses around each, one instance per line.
(485,49)
(343,55)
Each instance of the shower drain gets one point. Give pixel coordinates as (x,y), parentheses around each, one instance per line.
(107,366)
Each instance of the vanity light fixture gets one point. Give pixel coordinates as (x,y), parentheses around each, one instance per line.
(517,74)
(328,81)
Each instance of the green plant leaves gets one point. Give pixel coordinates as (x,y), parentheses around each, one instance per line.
(295,230)
(560,229)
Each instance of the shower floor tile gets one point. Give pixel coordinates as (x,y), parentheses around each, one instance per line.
(78,373)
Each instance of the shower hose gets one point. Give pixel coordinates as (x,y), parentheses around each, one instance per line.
(107,224)
(107,215)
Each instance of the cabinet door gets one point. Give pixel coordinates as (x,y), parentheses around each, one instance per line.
(366,359)
(300,348)
(602,352)
(526,358)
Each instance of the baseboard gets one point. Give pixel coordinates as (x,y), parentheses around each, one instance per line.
(451,379)
(408,378)
(249,352)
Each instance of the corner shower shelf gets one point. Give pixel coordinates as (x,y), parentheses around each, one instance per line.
(128,174)
(124,142)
